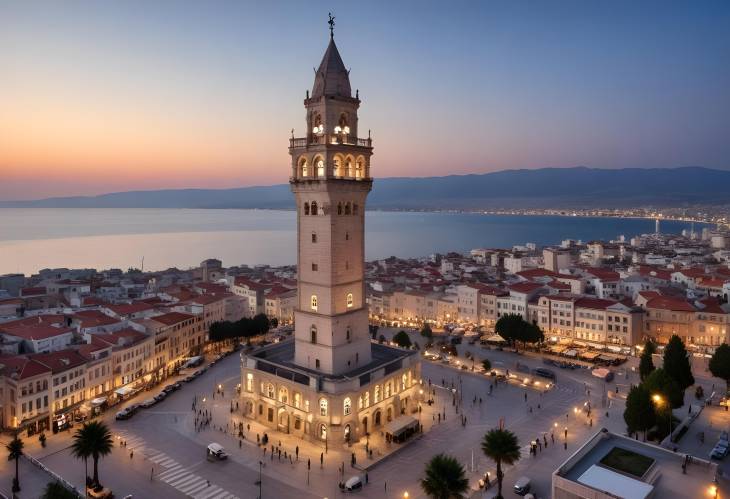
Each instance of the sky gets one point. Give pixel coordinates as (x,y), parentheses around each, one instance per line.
(100,97)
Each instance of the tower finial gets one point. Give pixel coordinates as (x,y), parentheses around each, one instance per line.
(331,22)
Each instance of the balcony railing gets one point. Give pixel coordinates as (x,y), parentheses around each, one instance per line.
(326,138)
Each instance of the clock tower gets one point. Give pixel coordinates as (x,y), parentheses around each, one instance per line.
(330,179)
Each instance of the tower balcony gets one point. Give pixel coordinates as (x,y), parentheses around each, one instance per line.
(327,138)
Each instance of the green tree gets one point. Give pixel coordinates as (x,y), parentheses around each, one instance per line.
(92,440)
(646,364)
(513,328)
(720,364)
(381,339)
(15,452)
(445,478)
(487,365)
(55,490)
(677,363)
(639,414)
(426,331)
(659,382)
(402,339)
(502,447)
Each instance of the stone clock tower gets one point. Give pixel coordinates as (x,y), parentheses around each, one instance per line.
(330,179)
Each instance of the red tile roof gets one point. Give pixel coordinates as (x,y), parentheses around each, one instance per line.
(59,361)
(594,303)
(125,309)
(525,287)
(22,367)
(670,303)
(172,318)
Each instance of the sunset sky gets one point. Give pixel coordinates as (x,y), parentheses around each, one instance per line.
(101,96)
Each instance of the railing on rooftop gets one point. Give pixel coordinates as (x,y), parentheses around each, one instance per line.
(326,138)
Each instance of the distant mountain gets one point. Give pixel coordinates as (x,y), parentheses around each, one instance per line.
(543,188)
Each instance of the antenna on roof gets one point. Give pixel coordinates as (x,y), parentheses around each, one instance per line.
(331,22)
(142,263)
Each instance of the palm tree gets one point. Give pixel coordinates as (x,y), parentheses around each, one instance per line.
(444,478)
(15,451)
(501,446)
(54,490)
(93,440)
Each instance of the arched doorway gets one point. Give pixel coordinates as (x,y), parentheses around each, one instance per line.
(323,431)
(389,414)
(283,421)
(377,418)
(248,408)
(365,424)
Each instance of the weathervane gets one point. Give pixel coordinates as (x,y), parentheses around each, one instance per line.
(331,22)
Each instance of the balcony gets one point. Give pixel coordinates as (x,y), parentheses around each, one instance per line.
(326,138)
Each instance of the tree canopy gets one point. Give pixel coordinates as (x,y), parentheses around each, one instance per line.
(92,440)
(720,364)
(486,365)
(639,413)
(513,328)
(402,339)
(444,478)
(660,383)
(243,328)
(426,331)
(646,364)
(677,363)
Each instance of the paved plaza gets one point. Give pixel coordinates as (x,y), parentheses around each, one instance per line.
(161,453)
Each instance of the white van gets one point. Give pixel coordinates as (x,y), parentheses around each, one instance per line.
(216,452)
(354,483)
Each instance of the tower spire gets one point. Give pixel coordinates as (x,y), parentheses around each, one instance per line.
(331,22)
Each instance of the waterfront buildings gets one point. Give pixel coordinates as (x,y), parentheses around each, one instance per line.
(329,382)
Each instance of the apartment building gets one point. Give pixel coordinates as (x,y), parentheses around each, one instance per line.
(24,394)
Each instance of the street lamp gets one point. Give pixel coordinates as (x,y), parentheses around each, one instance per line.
(659,401)
(405,495)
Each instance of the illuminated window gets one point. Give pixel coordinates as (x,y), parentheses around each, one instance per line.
(297,400)
(249,382)
(376,398)
(283,395)
(270,391)
(320,168)
(349,300)
(347,406)
(387,390)
(323,407)
(404,379)
(323,431)
(366,399)
(313,302)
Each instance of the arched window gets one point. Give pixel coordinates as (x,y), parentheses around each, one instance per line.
(339,208)
(320,168)
(355,209)
(359,402)
(306,208)
(376,398)
(297,400)
(303,168)
(317,124)
(349,300)
(323,431)
(348,170)
(359,169)
(347,406)
(323,407)
(348,208)
(314,208)
(387,389)
(313,302)
(366,399)
(404,380)
(270,390)
(283,395)
(348,333)
(313,334)
(249,382)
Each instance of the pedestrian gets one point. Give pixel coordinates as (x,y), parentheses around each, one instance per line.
(152,473)
(131,454)
(386,486)
(297,451)
(321,459)
(366,478)
(208,482)
(525,396)
(552,438)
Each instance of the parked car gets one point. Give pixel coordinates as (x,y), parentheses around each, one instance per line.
(148,403)
(160,396)
(353,483)
(720,450)
(545,373)
(522,486)
(169,389)
(127,412)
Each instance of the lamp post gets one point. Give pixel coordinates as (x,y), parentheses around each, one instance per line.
(261,464)
(566,438)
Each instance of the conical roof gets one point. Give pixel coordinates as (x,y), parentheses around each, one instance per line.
(332,78)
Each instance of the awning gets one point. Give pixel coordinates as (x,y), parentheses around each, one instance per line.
(495,338)
(400,425)
(98,401)
(570,353)
(589,355)
(124,390)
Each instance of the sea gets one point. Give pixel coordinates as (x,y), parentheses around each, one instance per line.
(156,239)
